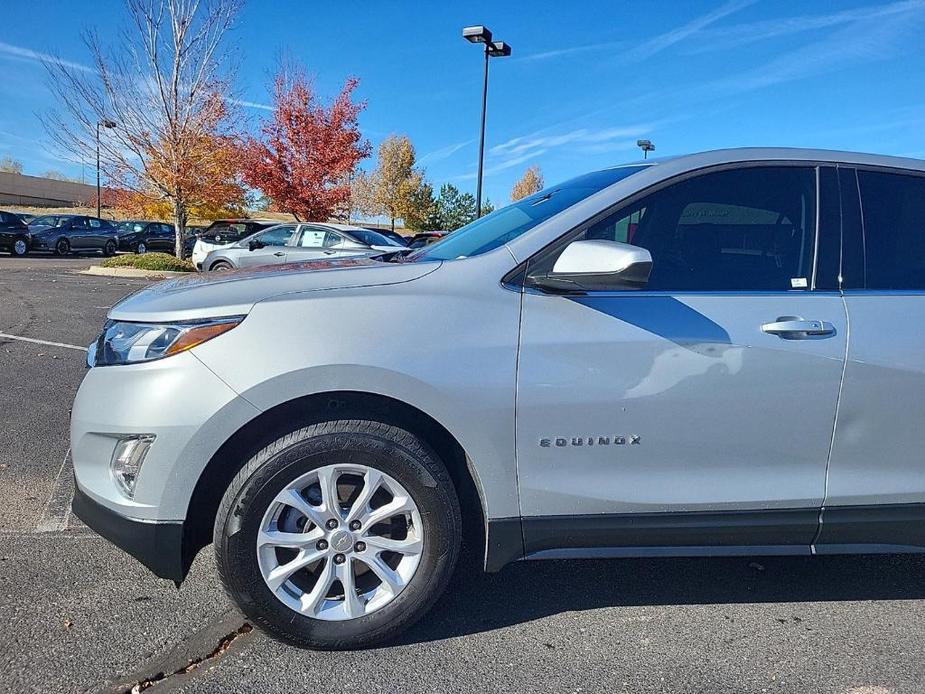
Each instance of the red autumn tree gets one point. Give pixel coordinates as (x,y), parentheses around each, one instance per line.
(307,150)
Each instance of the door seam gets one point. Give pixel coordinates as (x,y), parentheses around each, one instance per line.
(828,460)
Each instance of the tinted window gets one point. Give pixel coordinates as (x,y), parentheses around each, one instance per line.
(506,224)
(335,240)
(371,238)
(53,220)
(739,230)
(893,210)
(277,236)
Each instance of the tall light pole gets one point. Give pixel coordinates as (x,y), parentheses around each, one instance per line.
(646,146)
(106,124)
(493,49)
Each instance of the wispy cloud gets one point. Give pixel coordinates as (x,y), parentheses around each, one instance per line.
(443,153)
(527,144)
(861,41)
(656,44)
(249,104)
(560,52)
(743,34)
(649,47)
(530,148)
(8,50)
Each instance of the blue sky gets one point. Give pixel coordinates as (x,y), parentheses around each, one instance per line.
(586,79)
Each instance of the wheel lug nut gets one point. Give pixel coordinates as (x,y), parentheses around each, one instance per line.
(322,545)
(355,525)
(360,546)
(331,524)
(339,558)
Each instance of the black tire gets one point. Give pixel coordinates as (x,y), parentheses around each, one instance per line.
(20,247)
(220,266)
(391,450)
(109,248)
(62,247)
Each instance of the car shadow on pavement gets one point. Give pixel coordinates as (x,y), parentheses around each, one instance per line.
(525,591)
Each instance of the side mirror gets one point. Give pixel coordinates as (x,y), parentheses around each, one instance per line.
(254,244)
(598,265)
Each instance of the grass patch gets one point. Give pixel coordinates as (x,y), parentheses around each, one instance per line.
(150,261)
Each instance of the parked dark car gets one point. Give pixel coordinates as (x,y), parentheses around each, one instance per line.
(190,234)
(66,233)
(141,236)
(389,234)
(14,234)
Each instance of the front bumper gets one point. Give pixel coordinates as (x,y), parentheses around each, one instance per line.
(156,544)
(179,401)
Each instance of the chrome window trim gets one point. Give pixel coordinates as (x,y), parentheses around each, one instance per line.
(818,222)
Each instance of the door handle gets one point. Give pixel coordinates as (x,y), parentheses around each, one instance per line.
(279,254)
(329,252)
(794,328)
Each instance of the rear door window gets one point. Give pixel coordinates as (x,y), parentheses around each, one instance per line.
(893,213)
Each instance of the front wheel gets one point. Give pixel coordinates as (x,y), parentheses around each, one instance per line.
(63,247)
(109,249)
(338,535)
(20,247)
(141,248)
(220,266)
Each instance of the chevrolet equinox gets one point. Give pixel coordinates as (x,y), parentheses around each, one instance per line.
(714,354)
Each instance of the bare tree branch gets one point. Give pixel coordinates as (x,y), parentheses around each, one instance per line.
(163,85)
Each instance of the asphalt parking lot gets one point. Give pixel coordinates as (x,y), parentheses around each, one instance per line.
(77,615)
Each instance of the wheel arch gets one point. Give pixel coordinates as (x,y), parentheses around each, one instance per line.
(318,407)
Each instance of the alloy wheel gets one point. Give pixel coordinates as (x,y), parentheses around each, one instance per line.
(340,542)
(20,247)
(141,248)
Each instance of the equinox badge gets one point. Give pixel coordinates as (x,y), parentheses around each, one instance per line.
(562,442)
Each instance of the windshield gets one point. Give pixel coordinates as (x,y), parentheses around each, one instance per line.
(49,220)
(372,238)
(506,224)
(131,226)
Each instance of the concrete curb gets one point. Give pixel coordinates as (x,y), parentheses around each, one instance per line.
(132,272)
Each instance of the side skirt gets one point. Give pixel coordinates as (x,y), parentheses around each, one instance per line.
(887,529)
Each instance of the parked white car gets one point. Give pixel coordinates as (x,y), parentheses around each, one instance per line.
(224,232)
(287,243)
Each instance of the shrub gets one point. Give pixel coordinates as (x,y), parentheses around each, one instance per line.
(150,261)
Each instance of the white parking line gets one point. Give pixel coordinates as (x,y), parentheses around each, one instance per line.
(42,342)
(57,510)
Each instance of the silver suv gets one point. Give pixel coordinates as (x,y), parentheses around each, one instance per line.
(712,354)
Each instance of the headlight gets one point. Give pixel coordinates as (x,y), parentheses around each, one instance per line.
(131,343)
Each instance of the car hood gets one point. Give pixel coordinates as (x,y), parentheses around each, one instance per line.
(40,228)
(231,293)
